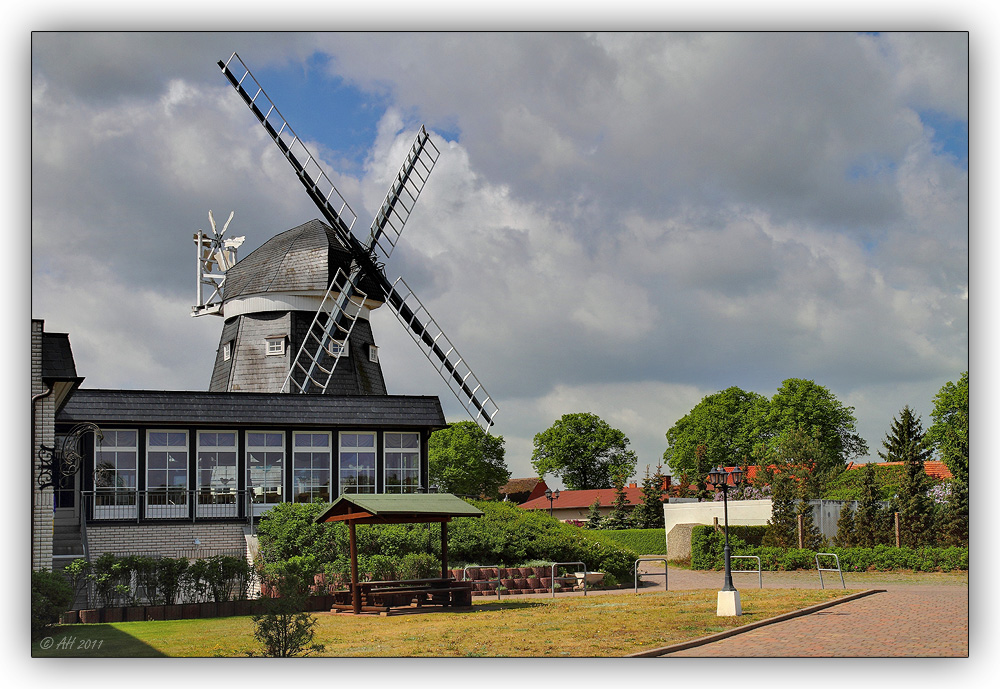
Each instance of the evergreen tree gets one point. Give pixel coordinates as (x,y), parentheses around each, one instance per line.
(594,518)
(845,537)
(648,514)
(906,440)
(870,515)
(811,536)
(619,518)
(781,527)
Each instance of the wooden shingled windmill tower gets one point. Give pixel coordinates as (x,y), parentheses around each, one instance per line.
(296,309)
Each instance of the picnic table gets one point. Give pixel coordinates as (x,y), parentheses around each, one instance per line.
(383,596)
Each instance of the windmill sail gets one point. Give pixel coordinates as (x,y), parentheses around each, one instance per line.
(386,228)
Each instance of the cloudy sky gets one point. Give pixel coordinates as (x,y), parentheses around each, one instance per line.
(620,224)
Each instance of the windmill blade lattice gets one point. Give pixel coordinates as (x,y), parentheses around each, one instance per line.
(442,354)
(402,196)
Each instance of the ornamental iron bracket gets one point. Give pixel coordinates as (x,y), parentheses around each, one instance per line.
(65,459)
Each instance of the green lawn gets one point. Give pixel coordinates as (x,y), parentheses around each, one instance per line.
(591,626)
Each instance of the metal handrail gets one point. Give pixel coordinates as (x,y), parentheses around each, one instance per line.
(192,504)
(822,569)
(760,578)
(552,581)
(465,572)
(635,570)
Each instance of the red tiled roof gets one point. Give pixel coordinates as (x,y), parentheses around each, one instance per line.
(519,485)
(932,468)
(584,498)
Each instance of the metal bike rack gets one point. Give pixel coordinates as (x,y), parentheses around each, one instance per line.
(821,569)
(635,570)
(465,574)
(553,580)
(760,579)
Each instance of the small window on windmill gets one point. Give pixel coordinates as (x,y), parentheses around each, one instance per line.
(339,349)
(227,351)
(275,345)
(373,354)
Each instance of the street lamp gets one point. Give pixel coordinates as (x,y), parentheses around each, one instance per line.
(729,597)
(551,496)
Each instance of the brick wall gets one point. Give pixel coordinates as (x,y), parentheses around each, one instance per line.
(44,427)
(169,540)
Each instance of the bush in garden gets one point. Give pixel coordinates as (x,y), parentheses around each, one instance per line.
(419,566)
(292,577)
(51,595)
(111,580)
(227,577)
(379,567)
(642,541)
(77,571)
(169,578)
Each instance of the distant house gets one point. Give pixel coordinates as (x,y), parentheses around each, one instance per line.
(520,490)
(575,504)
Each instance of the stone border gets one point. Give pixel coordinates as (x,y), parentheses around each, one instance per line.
(656,652)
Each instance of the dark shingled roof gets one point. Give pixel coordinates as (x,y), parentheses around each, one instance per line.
(57,358)
(247,408)
(302,258)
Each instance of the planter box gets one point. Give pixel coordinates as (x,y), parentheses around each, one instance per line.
(174,611)
(69,617)
(592,578)
(542,572)
(156,612)
(521,583)
(508,583)
(92,616)
(112,615)
(534,583)
(135,613)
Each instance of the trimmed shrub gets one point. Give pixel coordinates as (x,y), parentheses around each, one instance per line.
(51,595)
(642,541)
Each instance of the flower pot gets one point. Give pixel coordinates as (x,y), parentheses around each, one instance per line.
(69,617)
(542,571)
(112,615)
(526,572)
(481,586)
(174,611)
(225,609)
(521,584)
(156,612)
(134,613)
(546,582)
(508,583)
(92,616)
(487,573)
(534,583)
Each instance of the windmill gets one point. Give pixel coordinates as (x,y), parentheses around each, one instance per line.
(359,283)
(215,252)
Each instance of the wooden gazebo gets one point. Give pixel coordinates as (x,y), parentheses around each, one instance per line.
(397,509)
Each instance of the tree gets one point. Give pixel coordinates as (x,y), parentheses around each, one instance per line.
(584,451)
(906,440)
(950,435)
(802,404)
(464,460)
(781,527)
(619,517)
(594,517)
(950,431)
(869,521)
(728,424)
(648,514)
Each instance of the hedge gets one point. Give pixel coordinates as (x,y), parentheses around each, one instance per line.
(707,546)
(642,541)
(505,535)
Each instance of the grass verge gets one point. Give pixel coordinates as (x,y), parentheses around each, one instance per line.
(591,626)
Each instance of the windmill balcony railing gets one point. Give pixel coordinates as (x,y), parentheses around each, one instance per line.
(118,505)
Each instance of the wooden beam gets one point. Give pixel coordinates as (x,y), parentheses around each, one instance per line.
(366,518)
(347,517)
(355,589)
(444,550)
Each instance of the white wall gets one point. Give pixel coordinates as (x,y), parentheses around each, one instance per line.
(740,512)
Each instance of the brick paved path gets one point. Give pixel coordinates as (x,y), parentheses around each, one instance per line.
(917,616)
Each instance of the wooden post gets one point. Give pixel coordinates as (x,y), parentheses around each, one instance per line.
(802,528)
(895,517)
(355,589)
(444,550)
(715,523)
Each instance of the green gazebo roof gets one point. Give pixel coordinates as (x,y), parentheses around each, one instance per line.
(397,509)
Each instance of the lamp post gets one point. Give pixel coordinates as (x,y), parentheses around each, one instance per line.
(729,597)
(551,496)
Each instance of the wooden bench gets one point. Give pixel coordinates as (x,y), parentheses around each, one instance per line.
(382,596)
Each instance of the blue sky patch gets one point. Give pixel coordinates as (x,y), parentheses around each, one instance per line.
(950,135)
